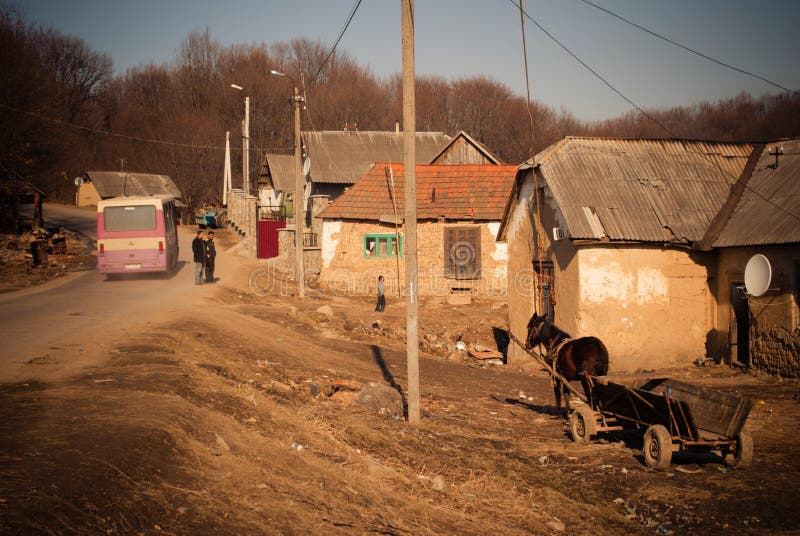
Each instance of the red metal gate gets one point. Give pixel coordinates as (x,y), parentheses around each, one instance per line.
(268,238)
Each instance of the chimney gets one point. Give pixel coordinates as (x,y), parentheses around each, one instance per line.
(396,126)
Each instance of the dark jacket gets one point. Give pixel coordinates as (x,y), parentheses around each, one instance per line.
(211,250)
(199,250)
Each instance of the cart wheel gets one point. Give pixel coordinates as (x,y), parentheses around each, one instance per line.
(582,424)
(657,447)
(743,455)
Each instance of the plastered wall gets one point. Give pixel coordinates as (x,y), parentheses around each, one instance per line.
(345,268)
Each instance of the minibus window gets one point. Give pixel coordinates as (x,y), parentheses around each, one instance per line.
(130,218)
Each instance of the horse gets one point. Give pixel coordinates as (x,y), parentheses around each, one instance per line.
(574,359)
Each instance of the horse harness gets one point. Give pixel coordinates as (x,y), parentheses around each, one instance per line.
(554,351)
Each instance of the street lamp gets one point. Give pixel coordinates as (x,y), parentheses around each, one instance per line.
(245,142)
(299,196)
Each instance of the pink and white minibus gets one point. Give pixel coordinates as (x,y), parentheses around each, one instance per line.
(137,234)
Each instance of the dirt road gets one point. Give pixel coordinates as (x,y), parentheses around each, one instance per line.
(69,322)
(213,420)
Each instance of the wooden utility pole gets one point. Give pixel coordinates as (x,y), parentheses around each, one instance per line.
(410,201)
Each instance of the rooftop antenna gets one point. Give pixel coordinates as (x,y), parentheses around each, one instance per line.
(776,152)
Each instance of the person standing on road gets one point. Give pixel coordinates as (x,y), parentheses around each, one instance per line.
(199,252)
(381,305)
(211,254)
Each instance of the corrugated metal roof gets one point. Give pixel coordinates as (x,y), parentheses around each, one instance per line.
(281,169)
(342,157)
(769,211)
(118,183)
(456,192)
(641,190)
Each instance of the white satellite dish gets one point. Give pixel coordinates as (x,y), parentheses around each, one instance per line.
(78,181)
(757,275)
(306,166)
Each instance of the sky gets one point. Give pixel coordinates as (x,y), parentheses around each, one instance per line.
(463,38)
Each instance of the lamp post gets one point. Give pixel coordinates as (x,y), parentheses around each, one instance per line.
(299,196)
(245,142)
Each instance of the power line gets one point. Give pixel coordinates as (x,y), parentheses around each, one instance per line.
(693,51)
(588,68)
(335,44)
(642,111)
(116,134)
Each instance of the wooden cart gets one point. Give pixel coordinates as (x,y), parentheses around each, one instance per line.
(675,416)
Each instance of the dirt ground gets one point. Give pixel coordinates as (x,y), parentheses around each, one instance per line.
(220,423)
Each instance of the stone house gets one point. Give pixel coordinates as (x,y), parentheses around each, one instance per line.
(459,208)
(600,236)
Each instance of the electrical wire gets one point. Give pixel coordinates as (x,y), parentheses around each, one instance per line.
(693,51)
(336,43)
(116,134)
(640,109)
(588,68)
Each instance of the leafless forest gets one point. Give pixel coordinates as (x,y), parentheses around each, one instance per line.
(63,110)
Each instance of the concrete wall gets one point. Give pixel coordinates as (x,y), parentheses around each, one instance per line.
(651,306)
(242,218)
(287,261)
(345,268)
(774,317)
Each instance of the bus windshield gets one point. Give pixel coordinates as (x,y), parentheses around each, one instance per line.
(130,218)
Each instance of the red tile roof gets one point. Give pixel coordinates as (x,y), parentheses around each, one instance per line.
(477,192)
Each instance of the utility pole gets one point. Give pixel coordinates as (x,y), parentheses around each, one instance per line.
(299,195)
(299,181)
(245,142)
(226,174)
(410,202)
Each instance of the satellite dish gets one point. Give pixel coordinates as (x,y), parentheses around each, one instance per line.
(757,275)
(78,181)
(306,166)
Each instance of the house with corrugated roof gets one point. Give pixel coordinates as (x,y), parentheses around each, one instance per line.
(97,185)
(762,217)
(459,208)
(601,236)
(335,160)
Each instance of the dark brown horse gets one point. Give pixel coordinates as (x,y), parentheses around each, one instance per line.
(573,359)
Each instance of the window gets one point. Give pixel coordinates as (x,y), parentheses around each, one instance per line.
(545,287)
(382,246)
(462,252)
(130,218)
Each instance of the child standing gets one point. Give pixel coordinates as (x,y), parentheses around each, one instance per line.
(381,305)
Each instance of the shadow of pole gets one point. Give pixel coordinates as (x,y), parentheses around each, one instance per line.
(377,354)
